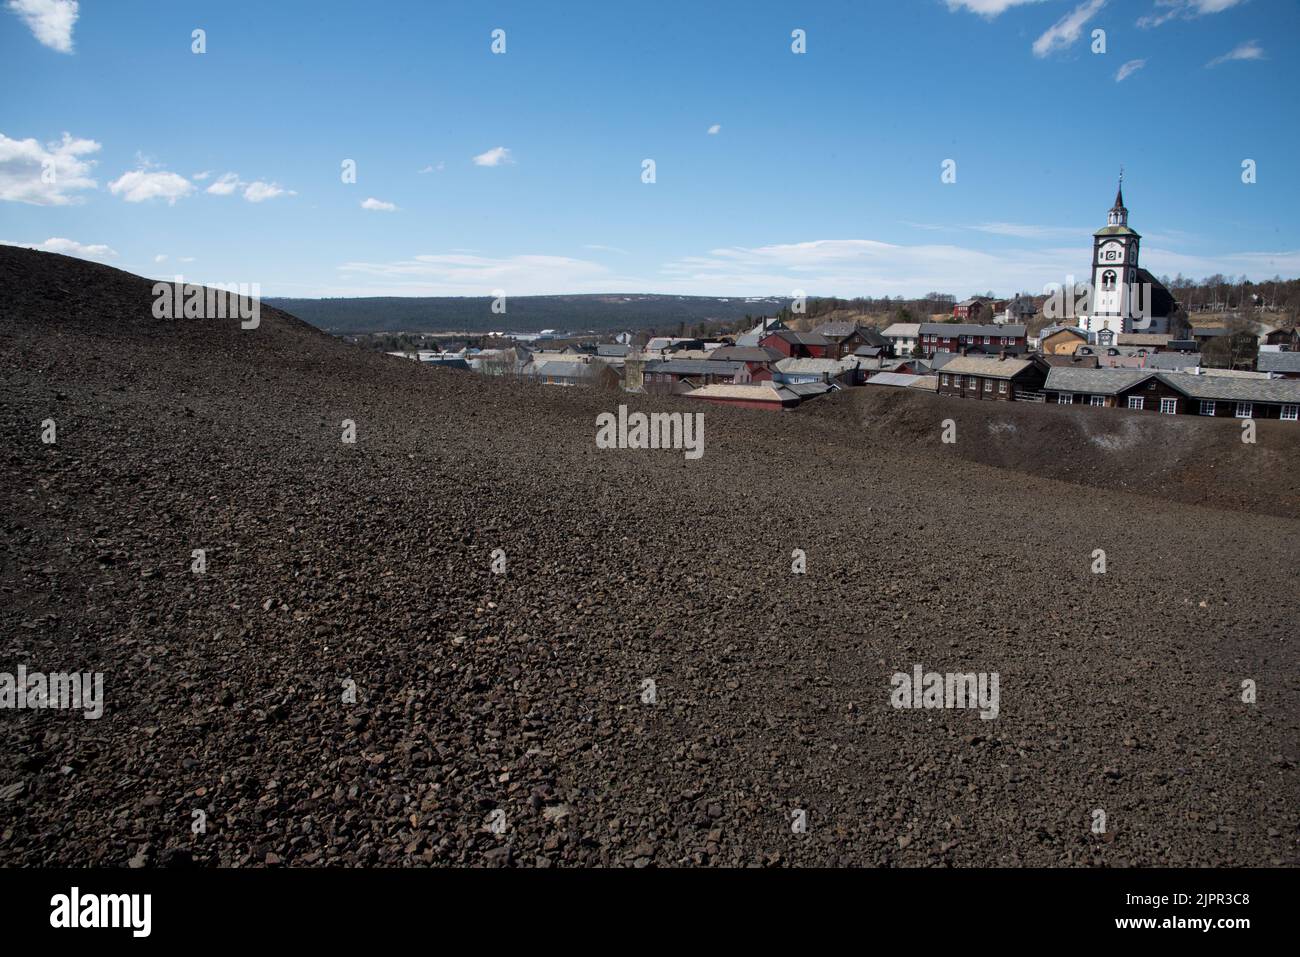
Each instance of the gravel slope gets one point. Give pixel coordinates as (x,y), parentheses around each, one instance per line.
(522,691)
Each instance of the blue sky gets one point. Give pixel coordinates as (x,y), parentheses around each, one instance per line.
(774,171)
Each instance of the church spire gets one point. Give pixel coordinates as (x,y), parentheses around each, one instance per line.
(1118,213)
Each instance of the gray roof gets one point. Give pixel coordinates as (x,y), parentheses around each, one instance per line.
(941,359)
(1094,381)
(983,366)
(576,370)
(900,379)
(802,338)
(1230,388)
(1226,388)
(613,351)
(950,329)
(837,329)
(1173,361)
(695,366)
(745,354)
(1278,362)
(809,390)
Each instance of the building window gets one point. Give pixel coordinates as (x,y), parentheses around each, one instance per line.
(1168,406)
(988,340)
(1207,407)
(972,382)
(1065,398)
(1002,387)
(1245,410)
(988,385)
(1108,280)
(1096,400)
(1136,402)
(944,379)
(1290,413)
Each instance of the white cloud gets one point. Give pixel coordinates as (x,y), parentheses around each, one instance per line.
(378,205)
(1065,32)
(449,274)
(225,184)
(255,192)
(68,247)
(843,267)
(259,191)
(1028,231)
(1184,10)
(187,259)
(434,169)
(987,8)
(25,165)
(49,20)
(715,129)
(1250,50)
(160,258)
(200,177)
(1128,69)
(496,156)
(140,185)
(598,247)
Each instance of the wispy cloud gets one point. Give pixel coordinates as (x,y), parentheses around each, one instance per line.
(715,129)
(49,20)
(1250,50)
(497,156)
(1066,31)
(1128,69)
(1166,10)
(378,205)
(456,274)
(45,175)
(605,249)
(987,8)
(142,185)
(434,169)
(258,191)
(68,247)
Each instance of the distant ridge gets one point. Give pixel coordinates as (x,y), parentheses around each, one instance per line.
(598,312)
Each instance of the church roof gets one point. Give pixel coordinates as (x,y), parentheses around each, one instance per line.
(1117,231)
(1119,197)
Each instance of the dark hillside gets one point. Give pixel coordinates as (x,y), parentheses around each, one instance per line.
(369,565)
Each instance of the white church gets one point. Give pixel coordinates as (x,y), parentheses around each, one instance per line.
(1125,297)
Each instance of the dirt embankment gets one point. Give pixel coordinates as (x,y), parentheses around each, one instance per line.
(1179,459)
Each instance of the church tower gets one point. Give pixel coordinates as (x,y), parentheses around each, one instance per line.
(1115,300)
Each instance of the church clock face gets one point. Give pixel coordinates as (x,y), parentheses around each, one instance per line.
(1111,253)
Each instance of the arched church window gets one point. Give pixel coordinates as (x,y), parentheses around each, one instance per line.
(1108,280)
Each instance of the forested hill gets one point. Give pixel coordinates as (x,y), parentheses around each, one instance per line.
(523,313)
